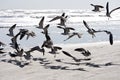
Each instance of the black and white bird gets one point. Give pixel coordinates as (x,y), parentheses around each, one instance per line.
(91,31)
(41,23)
(62,19)
(11,33)
(69,55)
(96,7)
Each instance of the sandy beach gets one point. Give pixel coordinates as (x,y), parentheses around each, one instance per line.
(104,64)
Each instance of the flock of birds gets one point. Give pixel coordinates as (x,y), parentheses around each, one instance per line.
(48,43)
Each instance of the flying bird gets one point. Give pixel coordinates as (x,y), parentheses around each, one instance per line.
(91,31)
(108,12)
(41,23)
(11,30)
(62,19)
(86,53)
(96,7)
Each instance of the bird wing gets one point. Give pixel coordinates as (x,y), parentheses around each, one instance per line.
(79,49)
(70,28)
(100,6)
(114,10)
(34,48)
(111,38)
(46,27)
(86,25)
(11,29)
(41,23)
(107,10)
(63,14)
(57,48)
(56,18)
(60,27)
(70,36)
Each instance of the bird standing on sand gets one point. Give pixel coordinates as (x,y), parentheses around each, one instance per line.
(96,7)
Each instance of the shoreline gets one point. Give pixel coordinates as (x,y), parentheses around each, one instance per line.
(105,60)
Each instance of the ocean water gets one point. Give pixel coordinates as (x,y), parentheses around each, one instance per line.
(29,19)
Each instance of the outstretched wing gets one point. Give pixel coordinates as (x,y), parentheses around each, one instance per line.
(70,36)
(111,38)
(56,18)
(11,30)
(86,25)
(79,49)
(114,10)
(41,23)
(107,10)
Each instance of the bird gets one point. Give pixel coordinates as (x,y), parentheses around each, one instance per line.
(86,53)
(91,31)
(57,48)
(73,34)
(66,29)
(62,18)
(14,43)
(108,13)
(11,30)
(41,23)
(24,32)
(96,7)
